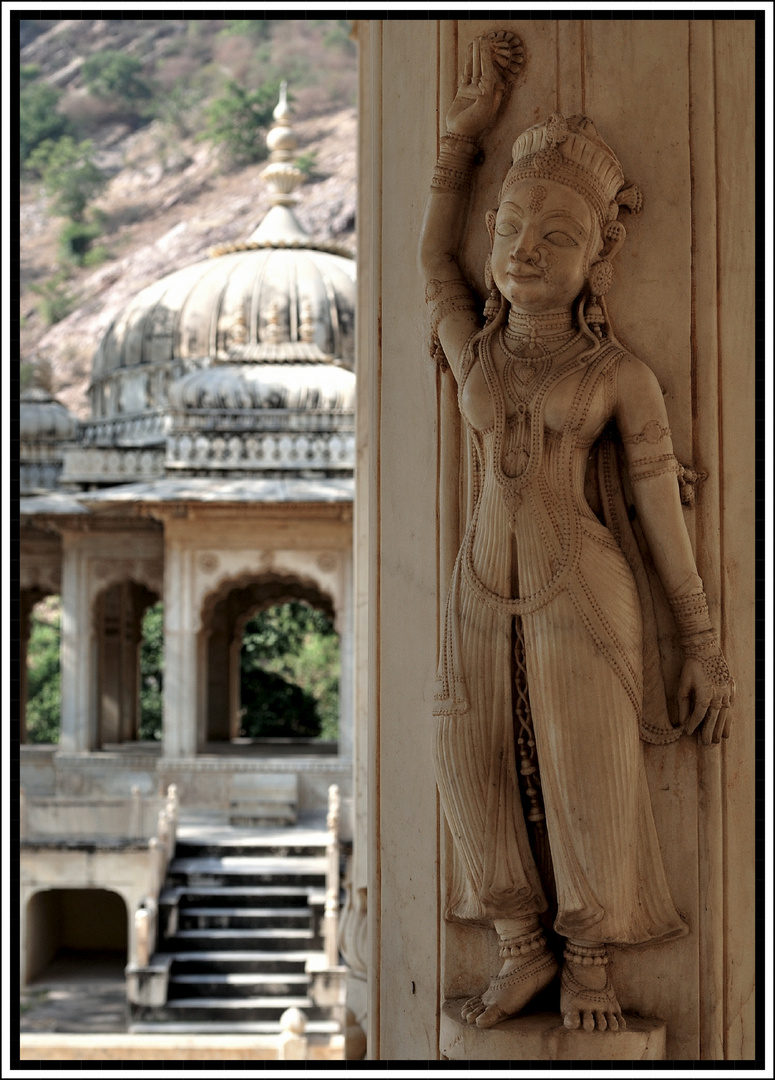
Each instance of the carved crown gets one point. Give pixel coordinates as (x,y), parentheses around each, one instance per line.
(571,152)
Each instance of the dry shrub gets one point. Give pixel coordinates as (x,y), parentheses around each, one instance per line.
(174,69)
(235,55)
(85,112)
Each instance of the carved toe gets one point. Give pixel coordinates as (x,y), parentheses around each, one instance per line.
(491,1016)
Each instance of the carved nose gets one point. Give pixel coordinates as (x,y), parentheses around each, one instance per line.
(526,248)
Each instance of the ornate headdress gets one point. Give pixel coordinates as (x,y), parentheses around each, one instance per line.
(572,153)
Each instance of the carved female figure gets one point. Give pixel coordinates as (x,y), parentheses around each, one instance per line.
(548,615)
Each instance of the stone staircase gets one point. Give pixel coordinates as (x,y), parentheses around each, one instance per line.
(240,917)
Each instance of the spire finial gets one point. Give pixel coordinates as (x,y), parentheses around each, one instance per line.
(281,174)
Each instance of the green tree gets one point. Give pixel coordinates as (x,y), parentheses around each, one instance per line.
(152,672)
(75,244)
(43,682)
(238,119)
(56,301)
(70,175)
(257,29)
(290,673)
(111,73)
(38,117)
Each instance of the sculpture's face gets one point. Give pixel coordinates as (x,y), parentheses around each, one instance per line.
(539,252)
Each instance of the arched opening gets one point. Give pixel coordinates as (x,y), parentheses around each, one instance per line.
(119,621)
(272,664)
(40,678)
(289,674)
(72,931)
(151,672)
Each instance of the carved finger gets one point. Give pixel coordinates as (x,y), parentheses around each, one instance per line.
(468,69)
(684,707)
(727,724)
(701,704)
(709,727)
(721,725)
(476,72)
(732,691)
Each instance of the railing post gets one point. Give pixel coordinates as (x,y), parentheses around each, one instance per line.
(331,913)
(292,1043)
(142,943)
(136,814)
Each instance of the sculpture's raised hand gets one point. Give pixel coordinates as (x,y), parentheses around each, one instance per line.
(480,92)
(706,691)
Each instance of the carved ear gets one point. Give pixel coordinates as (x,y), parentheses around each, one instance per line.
(614,235)
(490,217)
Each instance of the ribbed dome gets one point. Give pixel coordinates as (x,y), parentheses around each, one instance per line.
(41,416)
(241,304)
(300,387)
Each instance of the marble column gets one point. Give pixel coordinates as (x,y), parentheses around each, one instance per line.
(78,731)
(181,652)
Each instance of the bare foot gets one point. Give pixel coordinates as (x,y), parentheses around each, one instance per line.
(518,981)
(588,1000)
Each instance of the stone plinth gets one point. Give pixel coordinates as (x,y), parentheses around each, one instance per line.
(542,1037)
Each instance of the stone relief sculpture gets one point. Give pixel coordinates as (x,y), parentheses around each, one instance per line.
(549,670)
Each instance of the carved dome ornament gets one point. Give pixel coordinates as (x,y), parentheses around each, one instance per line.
(43,417)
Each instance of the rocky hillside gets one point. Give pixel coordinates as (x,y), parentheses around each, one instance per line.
(172,196)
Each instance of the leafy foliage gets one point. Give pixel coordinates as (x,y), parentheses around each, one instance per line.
(70,176)
(152,672)
(43,679)
(75,243)
(114,74)
(290,673)
(256,29)
(39,119)
(56,300)
(238,119)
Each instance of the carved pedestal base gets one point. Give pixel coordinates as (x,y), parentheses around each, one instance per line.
(542,1037)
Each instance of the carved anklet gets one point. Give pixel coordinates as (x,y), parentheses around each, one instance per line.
(523,944)
(585,955)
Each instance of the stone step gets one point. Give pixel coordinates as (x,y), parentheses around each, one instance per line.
(280,843)
(236,984)
(225,1027)
(254,960)
(252,848)
(210,871)
(268,1007)
(230,939)
(236,896)
(206,918)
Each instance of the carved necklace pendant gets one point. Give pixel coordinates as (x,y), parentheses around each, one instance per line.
(516,456)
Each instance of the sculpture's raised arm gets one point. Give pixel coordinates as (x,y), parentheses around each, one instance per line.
(454,314)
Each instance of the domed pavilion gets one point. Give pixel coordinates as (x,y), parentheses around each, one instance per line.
(215,473)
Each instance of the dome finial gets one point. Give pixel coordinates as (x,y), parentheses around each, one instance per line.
(280,227)
(282,175)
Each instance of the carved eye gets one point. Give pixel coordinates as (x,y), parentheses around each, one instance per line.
(561,239)
(506,228)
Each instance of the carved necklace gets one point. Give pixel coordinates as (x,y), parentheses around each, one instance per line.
(527,343)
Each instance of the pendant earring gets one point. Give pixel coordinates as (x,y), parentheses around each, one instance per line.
(493,302)
(601,275)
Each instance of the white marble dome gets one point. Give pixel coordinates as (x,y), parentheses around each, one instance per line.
(297,387)
(279,304)
(42,417)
